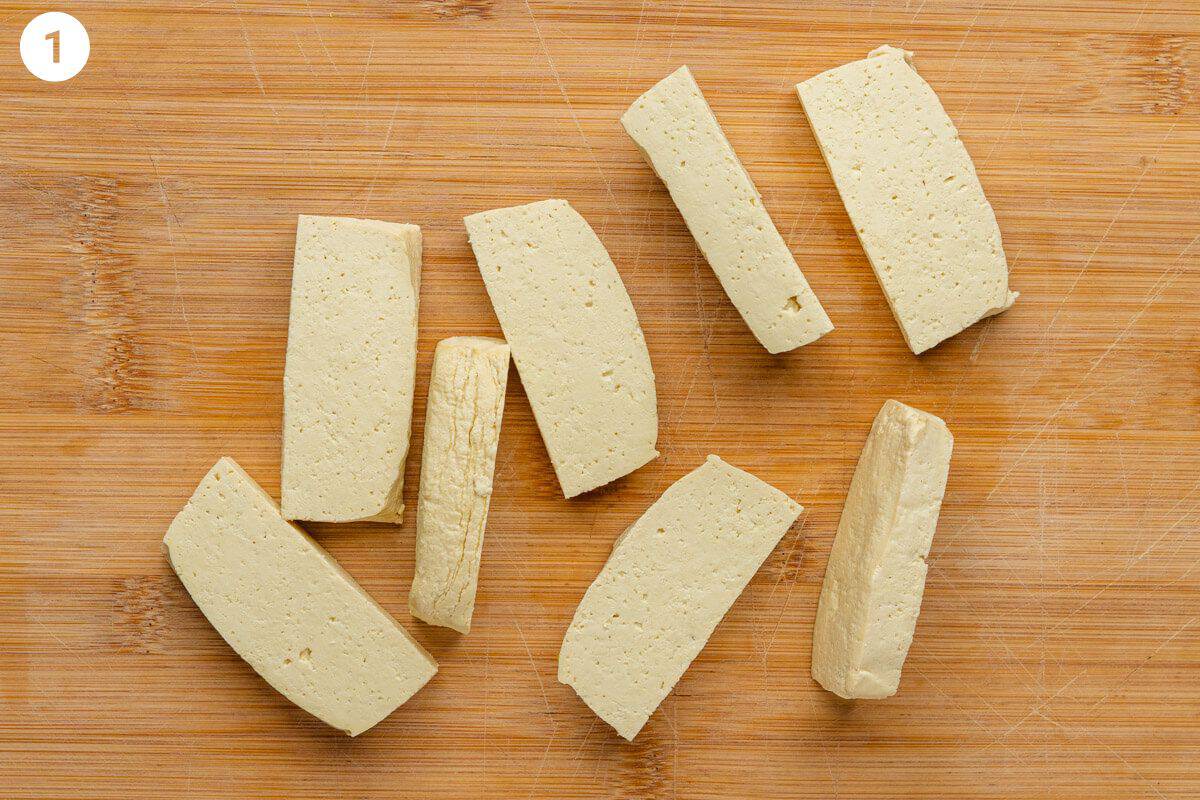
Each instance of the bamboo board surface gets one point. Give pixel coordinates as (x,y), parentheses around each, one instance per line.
(149,209)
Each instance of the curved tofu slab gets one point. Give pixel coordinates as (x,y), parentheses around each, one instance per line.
(575,339)
(911,191)
(351,359)
(669,581)
(462,429)
(288,608)
(680,138)
(876,574)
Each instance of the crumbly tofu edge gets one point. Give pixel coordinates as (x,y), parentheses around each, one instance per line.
(865,671)
(427,599)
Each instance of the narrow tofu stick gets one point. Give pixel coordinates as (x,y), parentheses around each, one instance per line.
(680,138)
(462,429)
(876,574)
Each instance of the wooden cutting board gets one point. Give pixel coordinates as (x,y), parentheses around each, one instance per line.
(148,211)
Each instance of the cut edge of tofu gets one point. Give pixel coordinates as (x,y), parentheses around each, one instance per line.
(866,685)
(629,731)
(825,324)
(391,510)
(1011,296)
(228,463)
(425,611)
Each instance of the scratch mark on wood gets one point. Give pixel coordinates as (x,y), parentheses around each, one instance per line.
(674,28)
(1142,664)
(796,572)
(387,139)
(536,671)
(362,84)
(1108,230)
(168,216)
(1085,732)
(967,34)
(321,36)
(562,90)
(262,90)
(577,758)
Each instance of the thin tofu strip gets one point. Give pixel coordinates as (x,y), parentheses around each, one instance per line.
(462,429)
(911,191)
(575,339)
(680,138)
(351,360)
(670,579)
(876,573)
(288,608)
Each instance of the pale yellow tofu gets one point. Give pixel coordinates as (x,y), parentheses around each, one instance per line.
(351,361)
(288,608)
(875,578)
(462,430)
(575,339)
(669,581)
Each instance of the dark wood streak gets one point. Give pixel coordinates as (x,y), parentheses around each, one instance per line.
(104,293)
(460,8)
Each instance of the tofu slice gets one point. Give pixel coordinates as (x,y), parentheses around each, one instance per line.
(876,574)
(680,138)
(288,608)
(351,360)
(911,191)
(462,429)
(670,579)
(575,339)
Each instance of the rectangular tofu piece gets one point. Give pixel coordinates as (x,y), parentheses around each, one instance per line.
(575,339)
(680,138)
(288,608)
(911,191)
(670,579)
(351,360)
(462,429)
(876,574)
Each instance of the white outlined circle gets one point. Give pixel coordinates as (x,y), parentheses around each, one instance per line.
(55,46)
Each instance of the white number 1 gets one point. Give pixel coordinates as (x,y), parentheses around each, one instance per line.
(54,48)
(52,37)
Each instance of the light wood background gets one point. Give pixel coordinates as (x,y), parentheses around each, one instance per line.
(147,215)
